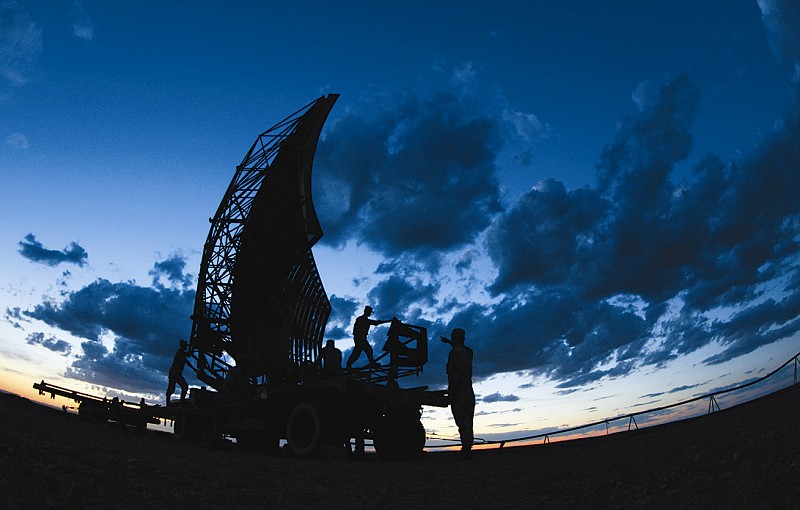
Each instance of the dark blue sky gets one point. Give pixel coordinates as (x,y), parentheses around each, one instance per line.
(603,194)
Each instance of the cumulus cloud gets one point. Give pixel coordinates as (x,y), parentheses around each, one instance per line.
(409,174)
(20,44)
(173,269)
(398,293)
(568,260)
(17,140)
(528,250)
(144,325)
(51,342)
(33,250)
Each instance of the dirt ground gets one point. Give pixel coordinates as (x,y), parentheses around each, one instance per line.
(743,457)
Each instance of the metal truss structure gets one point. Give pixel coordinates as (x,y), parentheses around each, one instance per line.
(260,300)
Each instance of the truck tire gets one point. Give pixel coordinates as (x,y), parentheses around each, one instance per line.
(304,430)
(399,437)
(183,427)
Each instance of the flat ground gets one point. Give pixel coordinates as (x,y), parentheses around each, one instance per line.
(743,457)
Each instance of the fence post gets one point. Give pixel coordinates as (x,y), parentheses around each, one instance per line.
(712,402)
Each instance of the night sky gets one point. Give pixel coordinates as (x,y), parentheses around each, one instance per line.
(604,195)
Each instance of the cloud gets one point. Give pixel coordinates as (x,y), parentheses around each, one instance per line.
(673,390)
(498,397)
(14,316)
(17,140)
(396,294)
(588,278)
(409,174)
(644,95)
(20,44)
(465,74)
(489,413)
(343,311)
(546,236)
(527,126)
(143,324)
(171,268)
(758,325)
(52,343)
(33,250)
(81,22)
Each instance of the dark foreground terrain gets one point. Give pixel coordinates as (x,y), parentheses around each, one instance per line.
(743,457)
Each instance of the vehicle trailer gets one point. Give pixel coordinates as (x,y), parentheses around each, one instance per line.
(318,412)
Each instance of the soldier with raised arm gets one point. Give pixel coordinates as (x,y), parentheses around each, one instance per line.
(360,332)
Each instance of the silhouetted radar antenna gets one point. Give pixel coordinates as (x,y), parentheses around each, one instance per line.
(259,297)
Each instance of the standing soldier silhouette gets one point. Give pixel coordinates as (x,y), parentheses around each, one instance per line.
(360,332)
(176,372)
(331,358)
(459,388)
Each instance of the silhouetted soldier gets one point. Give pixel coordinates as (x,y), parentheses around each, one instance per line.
(459,388)
(331,359)
(360,332)
(176,372)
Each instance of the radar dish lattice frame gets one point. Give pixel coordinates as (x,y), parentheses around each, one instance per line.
(212,340)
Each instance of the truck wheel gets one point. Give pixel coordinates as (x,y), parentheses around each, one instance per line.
(180,427)
(185,428)
(399,437)
(304,430)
